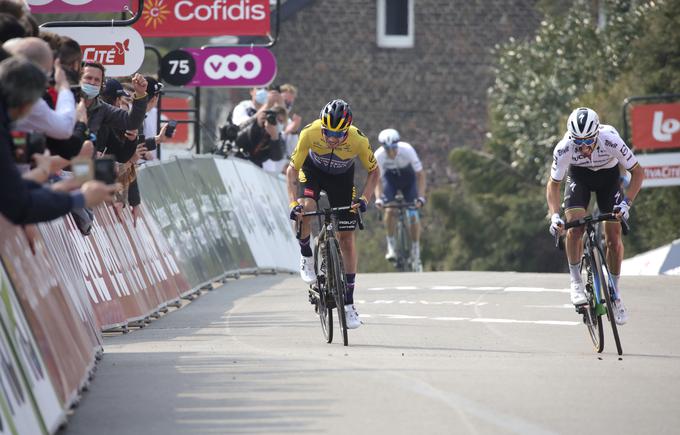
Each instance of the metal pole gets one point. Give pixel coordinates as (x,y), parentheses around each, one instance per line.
(197,124)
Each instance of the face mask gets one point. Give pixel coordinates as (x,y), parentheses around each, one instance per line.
(261,96)
(90,91)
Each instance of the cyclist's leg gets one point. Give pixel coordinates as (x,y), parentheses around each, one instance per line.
(608,196)
(410,191)
(576,199)
(389,192)
(309,193)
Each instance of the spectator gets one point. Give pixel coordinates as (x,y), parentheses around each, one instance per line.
(154,89)
(101,113)
(290,132)
(19,10)
(22,201)
(56,123)
(71,58)
(246,109)
(261,140)
(10,28)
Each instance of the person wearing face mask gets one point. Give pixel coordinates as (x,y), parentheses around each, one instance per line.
(261,140)
(290,132)
(246,109)
(24,201)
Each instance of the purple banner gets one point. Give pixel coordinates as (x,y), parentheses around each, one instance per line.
(64,6)
(233,66)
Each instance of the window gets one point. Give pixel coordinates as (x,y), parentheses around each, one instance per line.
(395,23)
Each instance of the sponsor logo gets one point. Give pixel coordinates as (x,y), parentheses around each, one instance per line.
(155,13)
(232,66)
(219,10)
(609,144)
(107,54)
(663,130)
(660,172)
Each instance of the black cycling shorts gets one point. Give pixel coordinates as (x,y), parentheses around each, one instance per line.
(582,181)
(338,187)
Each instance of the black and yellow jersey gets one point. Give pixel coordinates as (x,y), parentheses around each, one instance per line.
(312,145)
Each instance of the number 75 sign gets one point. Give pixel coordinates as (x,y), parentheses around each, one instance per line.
(228,67)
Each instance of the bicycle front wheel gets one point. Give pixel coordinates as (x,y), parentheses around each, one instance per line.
(592,316)
(403,247)
(337,284)
(325,312)
(603,275)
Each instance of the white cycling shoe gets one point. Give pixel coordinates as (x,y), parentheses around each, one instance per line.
(578,293)
(352,317)
(620,312)
(307,269)
(391,255)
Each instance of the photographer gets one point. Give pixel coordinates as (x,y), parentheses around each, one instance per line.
(261,138)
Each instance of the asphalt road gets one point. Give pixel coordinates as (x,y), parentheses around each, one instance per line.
(439,353)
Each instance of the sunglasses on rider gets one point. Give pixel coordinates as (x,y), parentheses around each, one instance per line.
(586,141)
(334,134)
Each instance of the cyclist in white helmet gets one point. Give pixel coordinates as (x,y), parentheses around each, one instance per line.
(591,153)
(401,170)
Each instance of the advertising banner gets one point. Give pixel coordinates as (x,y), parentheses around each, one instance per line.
(119,49)
(181,18)
(233,66)
(223,217)
(661,169)
(655,126)
(71,6)
(65,346)
(28,355)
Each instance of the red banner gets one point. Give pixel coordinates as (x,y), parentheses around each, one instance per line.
(181,135)
(656,126)
(174,18)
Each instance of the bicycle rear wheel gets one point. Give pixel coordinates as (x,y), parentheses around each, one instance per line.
(325,312)
(591,317)
(337,285)
(603,276)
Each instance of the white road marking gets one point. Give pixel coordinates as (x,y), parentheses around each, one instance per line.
(406,287)
(483,288)
(421,302)
(476,319)
(570,306)
(448,287)
(536,289)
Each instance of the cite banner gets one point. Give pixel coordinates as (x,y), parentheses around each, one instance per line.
(179,18)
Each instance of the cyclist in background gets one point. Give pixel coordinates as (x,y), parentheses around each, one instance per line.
(323,159)
(591,153)
(401,170)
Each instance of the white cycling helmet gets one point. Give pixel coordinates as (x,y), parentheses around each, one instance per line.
(583,122)
(389,138)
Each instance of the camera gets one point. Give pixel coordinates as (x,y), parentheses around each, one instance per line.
(105,170)
(270,116)
(27,144)
(228,132)
(170,130)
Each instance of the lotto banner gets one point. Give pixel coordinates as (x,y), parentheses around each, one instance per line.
(655,126)
(181,18)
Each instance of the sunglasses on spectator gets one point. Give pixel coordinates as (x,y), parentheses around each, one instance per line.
(334,134)
(586,141)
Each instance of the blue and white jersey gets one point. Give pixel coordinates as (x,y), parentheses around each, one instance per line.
(406,156)
(610,150)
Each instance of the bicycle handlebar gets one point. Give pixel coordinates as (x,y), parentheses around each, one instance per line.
(409,205)
(323,212)
(592,219)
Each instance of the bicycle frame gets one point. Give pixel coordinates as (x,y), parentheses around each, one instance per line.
(403,230)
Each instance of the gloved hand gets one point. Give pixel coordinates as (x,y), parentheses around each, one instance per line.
(556,223)
(379,203)
(363,203)
(623,208)
(295,210)
(420,201)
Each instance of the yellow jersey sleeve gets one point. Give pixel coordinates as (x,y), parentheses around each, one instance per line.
(301,150)
(364,151)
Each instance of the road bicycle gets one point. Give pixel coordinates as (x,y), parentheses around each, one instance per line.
(329,290)
(599,286)
(404,262)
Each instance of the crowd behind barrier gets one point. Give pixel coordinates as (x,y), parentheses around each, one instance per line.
(202,220)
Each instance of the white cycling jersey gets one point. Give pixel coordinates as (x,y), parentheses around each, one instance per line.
(610,150)
(406,156)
